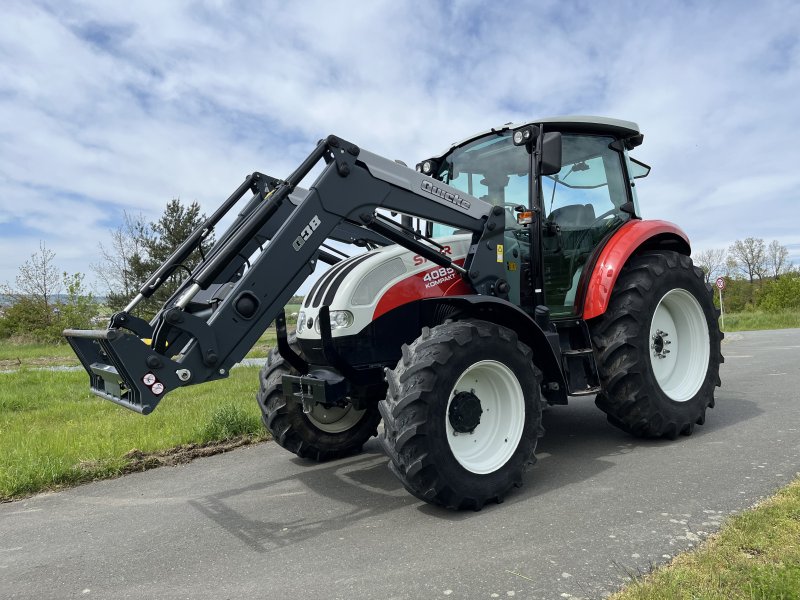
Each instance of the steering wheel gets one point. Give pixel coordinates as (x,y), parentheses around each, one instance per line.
(610,212)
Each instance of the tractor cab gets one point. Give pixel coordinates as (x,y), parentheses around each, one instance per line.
(563,195)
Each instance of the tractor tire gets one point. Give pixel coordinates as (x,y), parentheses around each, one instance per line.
(327,433)
(463,414)
(657,347)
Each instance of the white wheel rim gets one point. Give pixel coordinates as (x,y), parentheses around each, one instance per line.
(334,419)
(680,358)
(495,439)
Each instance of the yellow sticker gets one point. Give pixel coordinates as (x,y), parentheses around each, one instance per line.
(499,252)
(512,266)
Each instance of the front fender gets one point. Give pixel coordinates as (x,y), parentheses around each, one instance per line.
(545,346)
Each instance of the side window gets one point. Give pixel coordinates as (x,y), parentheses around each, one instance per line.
(440,230)
(590,184)
(636,170)
(467,182)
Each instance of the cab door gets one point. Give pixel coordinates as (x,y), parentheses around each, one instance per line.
(580,205)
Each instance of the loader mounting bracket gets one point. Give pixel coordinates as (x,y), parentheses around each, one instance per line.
(196,327)
(132,323)
(284,349)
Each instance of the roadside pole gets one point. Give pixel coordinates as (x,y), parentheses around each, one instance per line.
(721,286)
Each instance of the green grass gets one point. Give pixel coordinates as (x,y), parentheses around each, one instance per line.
(262,347)
(756,556)
(269,339)
(15,353)
(53,432)
(750,321)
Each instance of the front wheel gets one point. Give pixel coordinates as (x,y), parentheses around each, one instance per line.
(658,347)
(325,433)
(463,414)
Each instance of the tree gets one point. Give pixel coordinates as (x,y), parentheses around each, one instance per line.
(712,262)
(162,238)
(37,285)
(77,309)
(749,257)
(38,309)
(138,249)
(39,280)
(776,259)
(121,268)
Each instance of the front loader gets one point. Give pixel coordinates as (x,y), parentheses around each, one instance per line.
(519,274)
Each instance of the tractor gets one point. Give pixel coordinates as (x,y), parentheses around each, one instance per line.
(511,272)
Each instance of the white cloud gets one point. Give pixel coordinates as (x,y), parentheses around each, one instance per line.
(106,107)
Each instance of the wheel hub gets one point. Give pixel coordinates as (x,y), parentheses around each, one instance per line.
(465,412)
(660,343)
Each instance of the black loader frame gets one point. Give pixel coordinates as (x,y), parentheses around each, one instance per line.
(232,296)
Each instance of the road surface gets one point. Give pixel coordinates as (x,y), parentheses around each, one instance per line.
(598,507)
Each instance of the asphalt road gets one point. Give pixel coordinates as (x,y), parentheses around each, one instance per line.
(598,507)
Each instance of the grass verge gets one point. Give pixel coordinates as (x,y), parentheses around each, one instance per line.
(756,320)
(53,432)
(755,556)
(16,353)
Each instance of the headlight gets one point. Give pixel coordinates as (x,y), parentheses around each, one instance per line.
(523,136)
(301,322)
(339,320)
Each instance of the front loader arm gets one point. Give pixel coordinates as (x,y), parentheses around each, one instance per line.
(195,340)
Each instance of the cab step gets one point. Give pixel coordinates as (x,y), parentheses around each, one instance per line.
(580,371)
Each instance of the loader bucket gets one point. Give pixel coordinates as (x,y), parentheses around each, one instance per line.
(122,368)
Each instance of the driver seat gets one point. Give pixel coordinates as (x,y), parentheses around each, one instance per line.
(574,216)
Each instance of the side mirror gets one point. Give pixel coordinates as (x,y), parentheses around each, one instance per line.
(550,163)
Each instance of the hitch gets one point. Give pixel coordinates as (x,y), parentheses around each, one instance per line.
(312,390)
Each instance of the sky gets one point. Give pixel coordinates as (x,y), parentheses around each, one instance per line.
(107,107)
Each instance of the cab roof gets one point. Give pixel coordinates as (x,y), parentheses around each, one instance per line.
(583,123)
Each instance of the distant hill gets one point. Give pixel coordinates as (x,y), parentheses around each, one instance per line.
(6,300)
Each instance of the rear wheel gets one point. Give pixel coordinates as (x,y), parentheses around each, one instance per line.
(326,433)
(463,414)
(658,347)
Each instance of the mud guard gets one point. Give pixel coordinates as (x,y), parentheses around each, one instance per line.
(632,237)
(544,344)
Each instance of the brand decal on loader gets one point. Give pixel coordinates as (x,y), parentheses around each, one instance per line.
(306,233)
(452,198)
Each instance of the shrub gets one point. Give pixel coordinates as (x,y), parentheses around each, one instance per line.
(782,294)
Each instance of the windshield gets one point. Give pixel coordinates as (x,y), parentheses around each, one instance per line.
(491,168)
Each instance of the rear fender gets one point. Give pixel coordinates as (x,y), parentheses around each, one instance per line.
(503,312)
(633,237)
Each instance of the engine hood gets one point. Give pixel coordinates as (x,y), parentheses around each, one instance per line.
(371,284)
